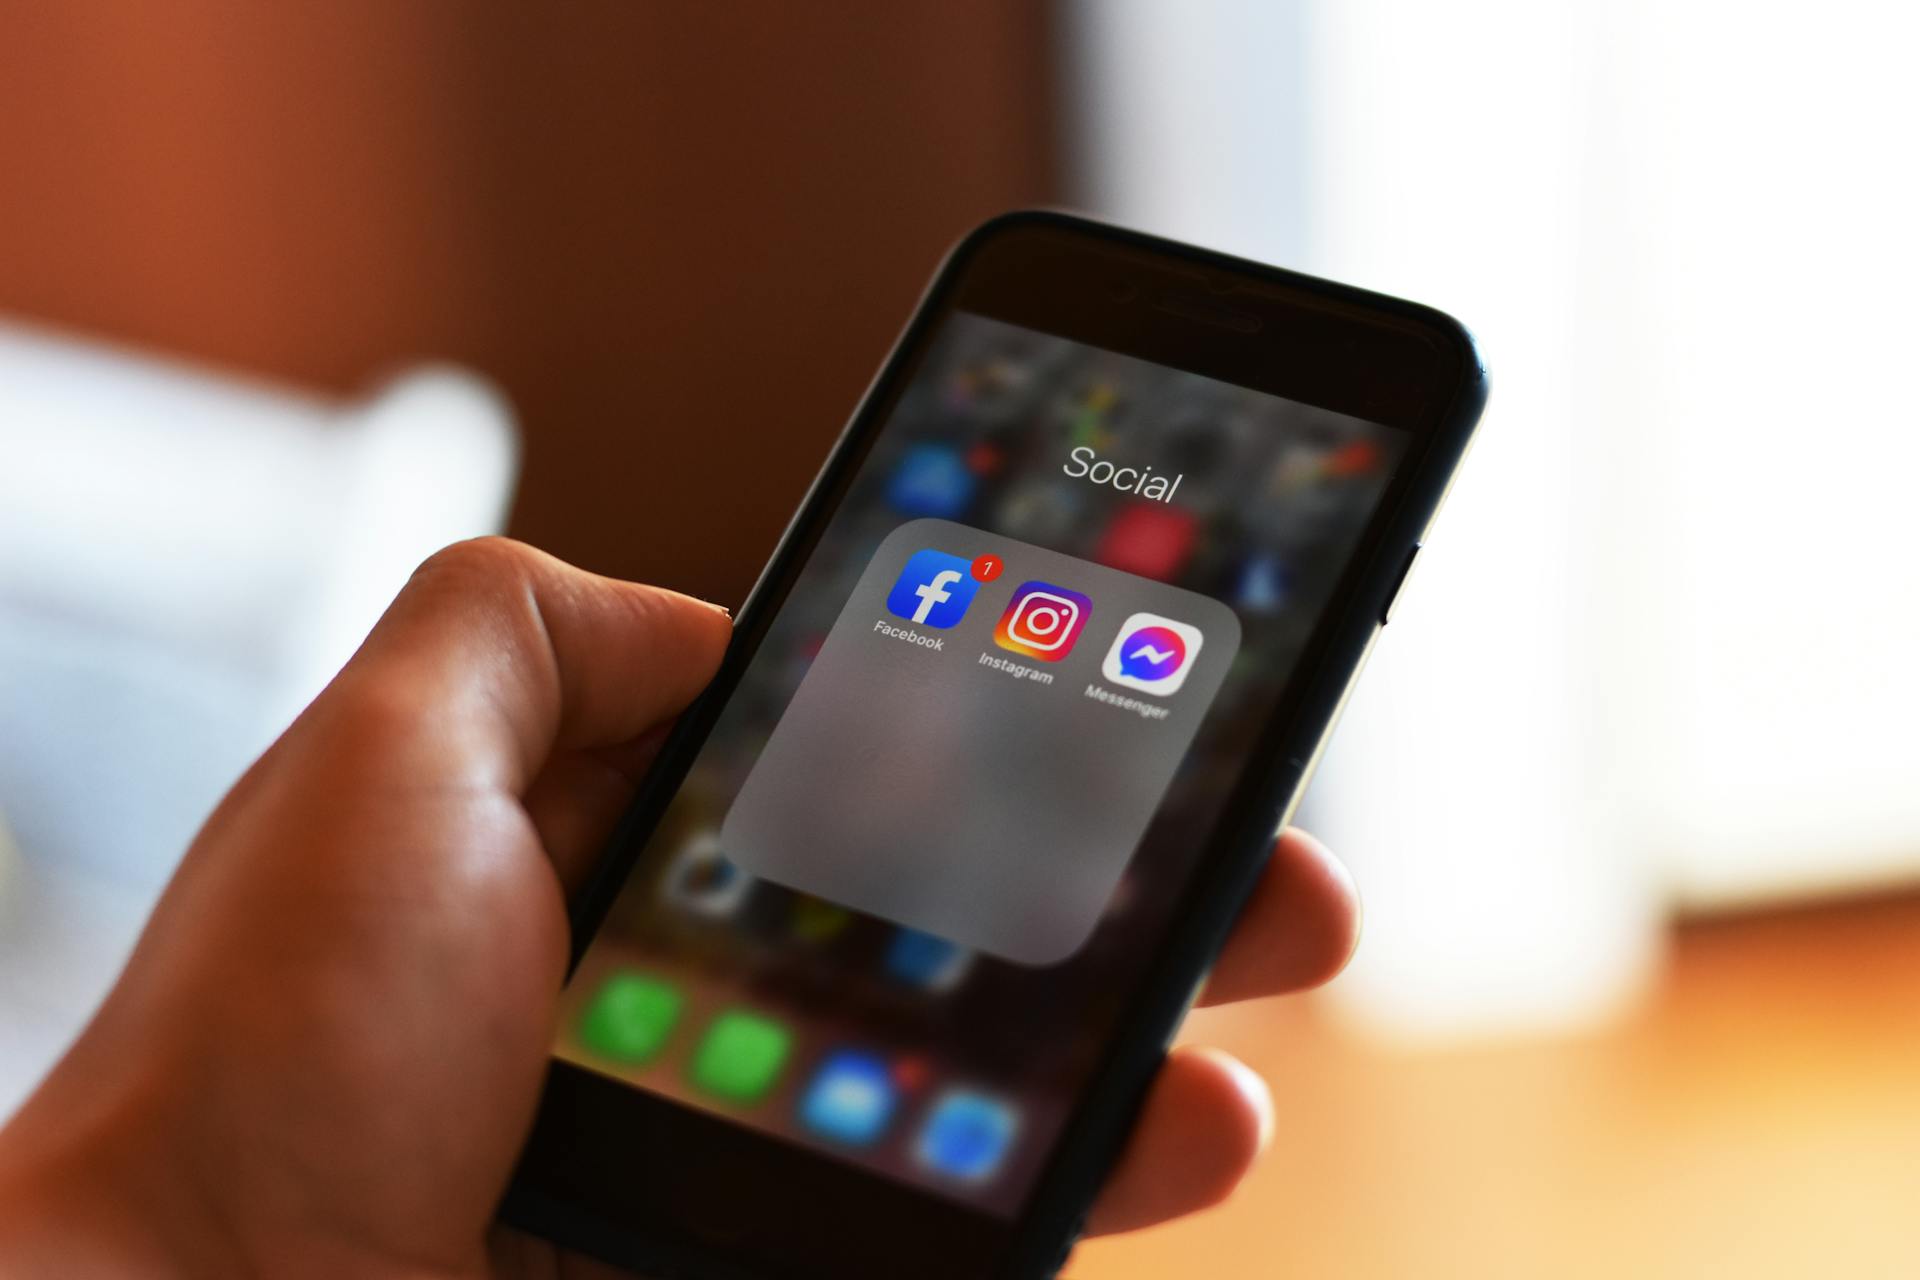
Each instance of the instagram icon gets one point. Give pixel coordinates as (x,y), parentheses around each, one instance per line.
(1042,621)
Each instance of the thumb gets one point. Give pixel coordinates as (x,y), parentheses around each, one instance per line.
(495,655)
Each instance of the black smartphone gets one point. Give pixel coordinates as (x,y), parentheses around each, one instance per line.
(877,969)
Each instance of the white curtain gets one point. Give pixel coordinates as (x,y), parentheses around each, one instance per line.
(1665,645)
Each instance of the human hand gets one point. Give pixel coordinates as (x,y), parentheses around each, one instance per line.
(328,1046)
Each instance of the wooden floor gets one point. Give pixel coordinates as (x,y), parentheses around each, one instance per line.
(1759,1118)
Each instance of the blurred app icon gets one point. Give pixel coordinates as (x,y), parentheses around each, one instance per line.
(985,458)
(1355,458)
(1152,654)
(1040,510)
(1263,585)
(1042,621)
(1089,416)
(933,590)
(740,1056)
(966,1136)
(911,1072)
(992,380)
(850,1099)
(917,959)
(1298,467)
(815,919)
(1148,539)
(931,480)
(630,1017)
(701,880)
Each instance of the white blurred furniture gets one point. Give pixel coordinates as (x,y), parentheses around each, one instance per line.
(185,559)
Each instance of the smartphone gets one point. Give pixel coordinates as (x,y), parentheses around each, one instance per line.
(877,969)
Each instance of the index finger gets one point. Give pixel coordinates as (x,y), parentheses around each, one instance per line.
(1297,930)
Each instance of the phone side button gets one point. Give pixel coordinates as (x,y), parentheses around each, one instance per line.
(1400,584)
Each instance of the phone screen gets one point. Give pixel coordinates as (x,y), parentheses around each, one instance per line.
(899,903)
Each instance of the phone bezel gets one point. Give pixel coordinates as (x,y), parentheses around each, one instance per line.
(1344,348)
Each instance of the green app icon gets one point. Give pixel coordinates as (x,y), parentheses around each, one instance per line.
(630,1017)
(740,1056)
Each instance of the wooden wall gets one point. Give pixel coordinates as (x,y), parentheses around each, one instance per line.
(680,236)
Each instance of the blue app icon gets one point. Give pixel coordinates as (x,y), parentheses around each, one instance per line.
(1264,585)
(931,480)
(966,1136)
(922,960)
(851,1098)
(934,590)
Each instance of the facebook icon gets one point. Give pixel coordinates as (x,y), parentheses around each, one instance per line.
(934,590)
